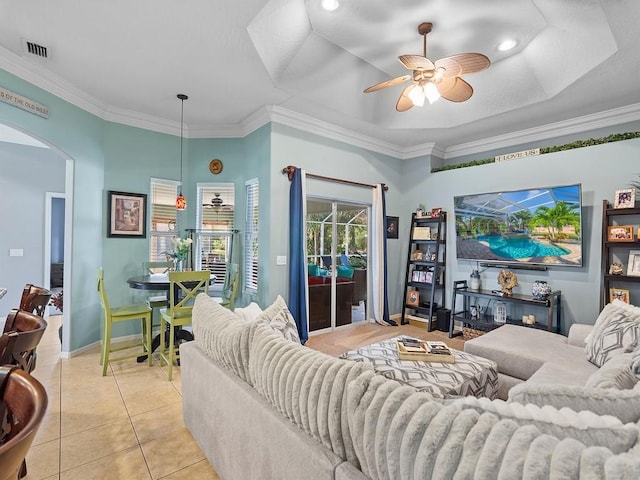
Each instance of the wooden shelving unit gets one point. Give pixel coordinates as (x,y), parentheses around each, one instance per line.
(426,276)
(617,250)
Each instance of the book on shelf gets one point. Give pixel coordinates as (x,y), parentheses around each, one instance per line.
(412,351)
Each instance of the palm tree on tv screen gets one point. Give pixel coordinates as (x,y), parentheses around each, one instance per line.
(555,218)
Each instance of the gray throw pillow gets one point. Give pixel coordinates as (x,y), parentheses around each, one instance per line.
(278,317)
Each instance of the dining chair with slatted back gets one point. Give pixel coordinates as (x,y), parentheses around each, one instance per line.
(35,299)
(183,289)
(123,313)
(158,299)
(20,338)
(23,403)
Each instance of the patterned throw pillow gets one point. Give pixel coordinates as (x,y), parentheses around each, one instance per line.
(616,373)
(606,336)
(619,335)
(278,317)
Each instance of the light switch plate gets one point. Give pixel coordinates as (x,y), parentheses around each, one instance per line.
(16,252)
(281,260)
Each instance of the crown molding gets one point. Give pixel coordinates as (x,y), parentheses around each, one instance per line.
(607,118)
(53,84)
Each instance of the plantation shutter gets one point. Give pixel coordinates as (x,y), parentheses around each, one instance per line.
(251,237)
(215,220)
(164,219)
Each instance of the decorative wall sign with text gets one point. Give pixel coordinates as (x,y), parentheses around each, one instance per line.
(23,103)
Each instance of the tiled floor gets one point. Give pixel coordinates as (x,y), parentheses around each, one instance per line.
(128,425)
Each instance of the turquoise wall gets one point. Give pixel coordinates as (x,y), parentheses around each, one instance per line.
(76,135)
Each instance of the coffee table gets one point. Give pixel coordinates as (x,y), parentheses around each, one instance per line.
(469,375)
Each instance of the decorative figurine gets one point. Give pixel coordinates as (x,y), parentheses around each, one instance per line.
(615,269)
(507,280)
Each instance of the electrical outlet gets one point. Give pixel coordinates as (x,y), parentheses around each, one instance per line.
(281,260)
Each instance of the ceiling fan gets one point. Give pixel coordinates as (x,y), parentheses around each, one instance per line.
(216,203)
(434,80)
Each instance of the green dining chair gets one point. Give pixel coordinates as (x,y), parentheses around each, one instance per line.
(140,311)
(183,289)
(158,299)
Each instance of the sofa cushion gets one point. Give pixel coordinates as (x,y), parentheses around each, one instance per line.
(520,351)
(279,319)
(623,404)
(222,335)
(306,386)
(585,426)
(616,373)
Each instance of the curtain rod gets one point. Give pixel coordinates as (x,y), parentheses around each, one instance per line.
(289,171)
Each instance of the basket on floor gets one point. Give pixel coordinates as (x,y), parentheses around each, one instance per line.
(469,333)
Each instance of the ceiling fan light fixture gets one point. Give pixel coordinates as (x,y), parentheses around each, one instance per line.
(507,45)
(417,95)
(330,5)
(431,92)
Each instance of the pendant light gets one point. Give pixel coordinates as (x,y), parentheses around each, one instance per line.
(181,202)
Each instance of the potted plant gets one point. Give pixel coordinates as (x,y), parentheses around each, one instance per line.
(420,211)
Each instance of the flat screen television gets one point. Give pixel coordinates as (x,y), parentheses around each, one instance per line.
(536,227)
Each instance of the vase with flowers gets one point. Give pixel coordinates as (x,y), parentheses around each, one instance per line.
(180,252)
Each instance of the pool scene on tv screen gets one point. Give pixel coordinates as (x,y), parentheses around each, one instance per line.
(540,226)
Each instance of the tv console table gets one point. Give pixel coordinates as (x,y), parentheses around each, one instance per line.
(487,322)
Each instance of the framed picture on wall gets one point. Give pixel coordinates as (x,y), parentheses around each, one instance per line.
(127,214)
(392,227)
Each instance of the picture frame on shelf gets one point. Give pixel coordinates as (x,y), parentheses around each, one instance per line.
(625,198)
(415,276)
(413,298)
(620,233)
(619,294)
(127,215)
(428,278)
(435,212)
(633,267)
(417,255)
(422,233)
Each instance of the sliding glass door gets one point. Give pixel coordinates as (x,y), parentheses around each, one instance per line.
(337,244)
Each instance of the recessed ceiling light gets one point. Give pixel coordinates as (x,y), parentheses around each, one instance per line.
(506,45)
(330,5)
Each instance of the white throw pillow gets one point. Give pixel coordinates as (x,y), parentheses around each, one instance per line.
(278,317)
(248,313)
(616,331)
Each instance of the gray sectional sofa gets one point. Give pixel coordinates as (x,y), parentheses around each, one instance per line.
(262,406)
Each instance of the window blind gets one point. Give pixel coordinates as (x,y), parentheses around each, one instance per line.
(251,236)
(163,228)
(215,220)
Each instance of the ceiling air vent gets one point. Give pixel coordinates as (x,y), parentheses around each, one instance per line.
(35,49)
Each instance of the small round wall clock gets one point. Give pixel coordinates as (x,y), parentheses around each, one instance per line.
(215,166)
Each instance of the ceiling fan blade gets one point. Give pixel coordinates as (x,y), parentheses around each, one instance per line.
(404,102)
(416,62)
(462,63)
(387,83)
(455,89)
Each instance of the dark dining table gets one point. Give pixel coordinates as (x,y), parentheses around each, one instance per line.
(160,282)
